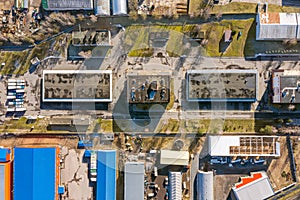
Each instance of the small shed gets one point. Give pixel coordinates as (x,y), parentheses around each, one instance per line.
(227,36)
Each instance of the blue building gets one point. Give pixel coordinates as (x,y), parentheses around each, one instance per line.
(36,173)
(106,175)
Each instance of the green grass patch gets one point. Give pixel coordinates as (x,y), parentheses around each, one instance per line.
(19,125)
(201,126)
(195,6)
(172,126)
(137,41)
(106,125)
(288,9)
(172,96)
(13,61)
(215,31)
(234,8)
(18,62)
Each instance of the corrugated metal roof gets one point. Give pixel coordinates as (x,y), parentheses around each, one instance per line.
(170,157)
(34,173)
(175,181)
(256,189)
(205,185)
(5,181)
(106,175)
(4,154)
(119,7)
(277,26)
(134,181)
(67,4)
(102,7)
(2,182)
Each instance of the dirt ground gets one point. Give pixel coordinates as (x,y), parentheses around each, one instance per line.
(67,142)
(223,185)
(279,165)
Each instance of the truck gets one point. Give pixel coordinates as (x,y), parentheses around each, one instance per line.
(85,143)
(93,166)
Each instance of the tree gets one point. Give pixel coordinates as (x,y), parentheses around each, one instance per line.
(267,129)
(133,15)
(279,121)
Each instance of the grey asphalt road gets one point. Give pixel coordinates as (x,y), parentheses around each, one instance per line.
(193,176)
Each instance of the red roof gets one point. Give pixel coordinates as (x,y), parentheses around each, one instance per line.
(247,180)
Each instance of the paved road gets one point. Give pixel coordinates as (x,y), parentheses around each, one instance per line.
(193,176)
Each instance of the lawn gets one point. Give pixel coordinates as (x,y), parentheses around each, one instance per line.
(137,42)
(20,125)
(171,126)
(202,126)
(196,5)
(172,97)
(106,125)
(215,30)
(234,8)
(288,9)
(18,62)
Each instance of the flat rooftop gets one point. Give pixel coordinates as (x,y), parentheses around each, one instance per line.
(148,88)
(286,86)
(222,85)
(243,146)
(93,38)
(77,85)
(134,173)
(67,4)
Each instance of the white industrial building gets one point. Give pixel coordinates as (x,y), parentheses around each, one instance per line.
(277,26)
(134,181)
(243,146)
(256,186)
(175,187)
(119,7)
(205,185)
(102,7)
(170,157)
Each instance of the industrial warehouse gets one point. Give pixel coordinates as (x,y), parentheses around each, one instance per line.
(256,186)
(277,26)
(222,85)
(77,86)
(244,146)
(143,88)
(36,173)
(119,7)
(286,86)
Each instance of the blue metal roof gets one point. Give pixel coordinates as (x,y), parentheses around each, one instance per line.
(34,173)
(106,175)
(3,154)
(2,182)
